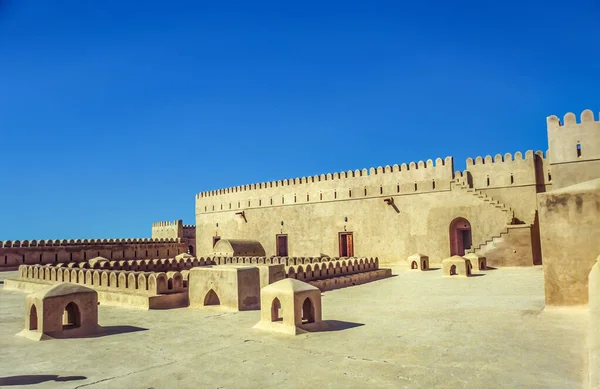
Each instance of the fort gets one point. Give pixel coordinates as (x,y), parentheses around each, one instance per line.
(437,252)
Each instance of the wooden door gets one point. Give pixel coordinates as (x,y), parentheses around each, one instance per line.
(282,245)
(346,244)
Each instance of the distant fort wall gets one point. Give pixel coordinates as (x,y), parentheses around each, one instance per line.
(15,253)
(175,230)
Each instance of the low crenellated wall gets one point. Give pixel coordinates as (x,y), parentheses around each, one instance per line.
(134,289)
(15,253)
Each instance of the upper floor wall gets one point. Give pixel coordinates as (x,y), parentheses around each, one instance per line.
(514,180)
(574,148)
(421,177)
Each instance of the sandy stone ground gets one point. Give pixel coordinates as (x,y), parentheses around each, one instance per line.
(414,330)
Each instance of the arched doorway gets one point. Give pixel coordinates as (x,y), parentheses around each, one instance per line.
(460,236)
(33,320)
(211,298)
(71,316)
(414,265)
(453,270)
(308,311)
(276,314)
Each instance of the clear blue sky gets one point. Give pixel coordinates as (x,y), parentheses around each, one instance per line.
(114,114)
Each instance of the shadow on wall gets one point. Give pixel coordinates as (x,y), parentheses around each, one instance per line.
(18,380)
(336,325)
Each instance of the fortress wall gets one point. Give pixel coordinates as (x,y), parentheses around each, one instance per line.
(167,230)
(511,180)
(414,223)
(421,177)
(15,253)
(189,232)
(175,230)
(574,148)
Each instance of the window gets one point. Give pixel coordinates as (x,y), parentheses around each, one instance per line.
(578,150)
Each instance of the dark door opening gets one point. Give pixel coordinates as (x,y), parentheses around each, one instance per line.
(276,314)
(308,311)
(282,245)
(33,319)
(346,242)
(460,236)
(71,316)
(211,298)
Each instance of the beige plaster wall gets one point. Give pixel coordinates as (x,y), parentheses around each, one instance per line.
(513,248)
(594,329)
(569,226)
(511,180)
(416,222)
(238,288)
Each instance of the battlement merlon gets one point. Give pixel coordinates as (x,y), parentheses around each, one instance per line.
(409,170)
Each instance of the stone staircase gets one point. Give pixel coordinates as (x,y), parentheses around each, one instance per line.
(492,239)
(460,184)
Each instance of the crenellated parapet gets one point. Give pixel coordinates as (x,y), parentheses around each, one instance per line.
(570,119)
(412,171)
(415,177)
(82,242)
(575,147)
(572,141)
(502,171)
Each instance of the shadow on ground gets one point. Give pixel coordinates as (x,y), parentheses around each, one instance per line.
(18,380)
(115,330)
(336,325)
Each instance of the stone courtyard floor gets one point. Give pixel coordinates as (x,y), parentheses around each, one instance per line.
(414,330)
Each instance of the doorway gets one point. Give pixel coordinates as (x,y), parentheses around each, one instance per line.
(276,314)
(33,319)
(460,236)
(211,298)
(308,311)
(282,245)
(346,243)
(71,316)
